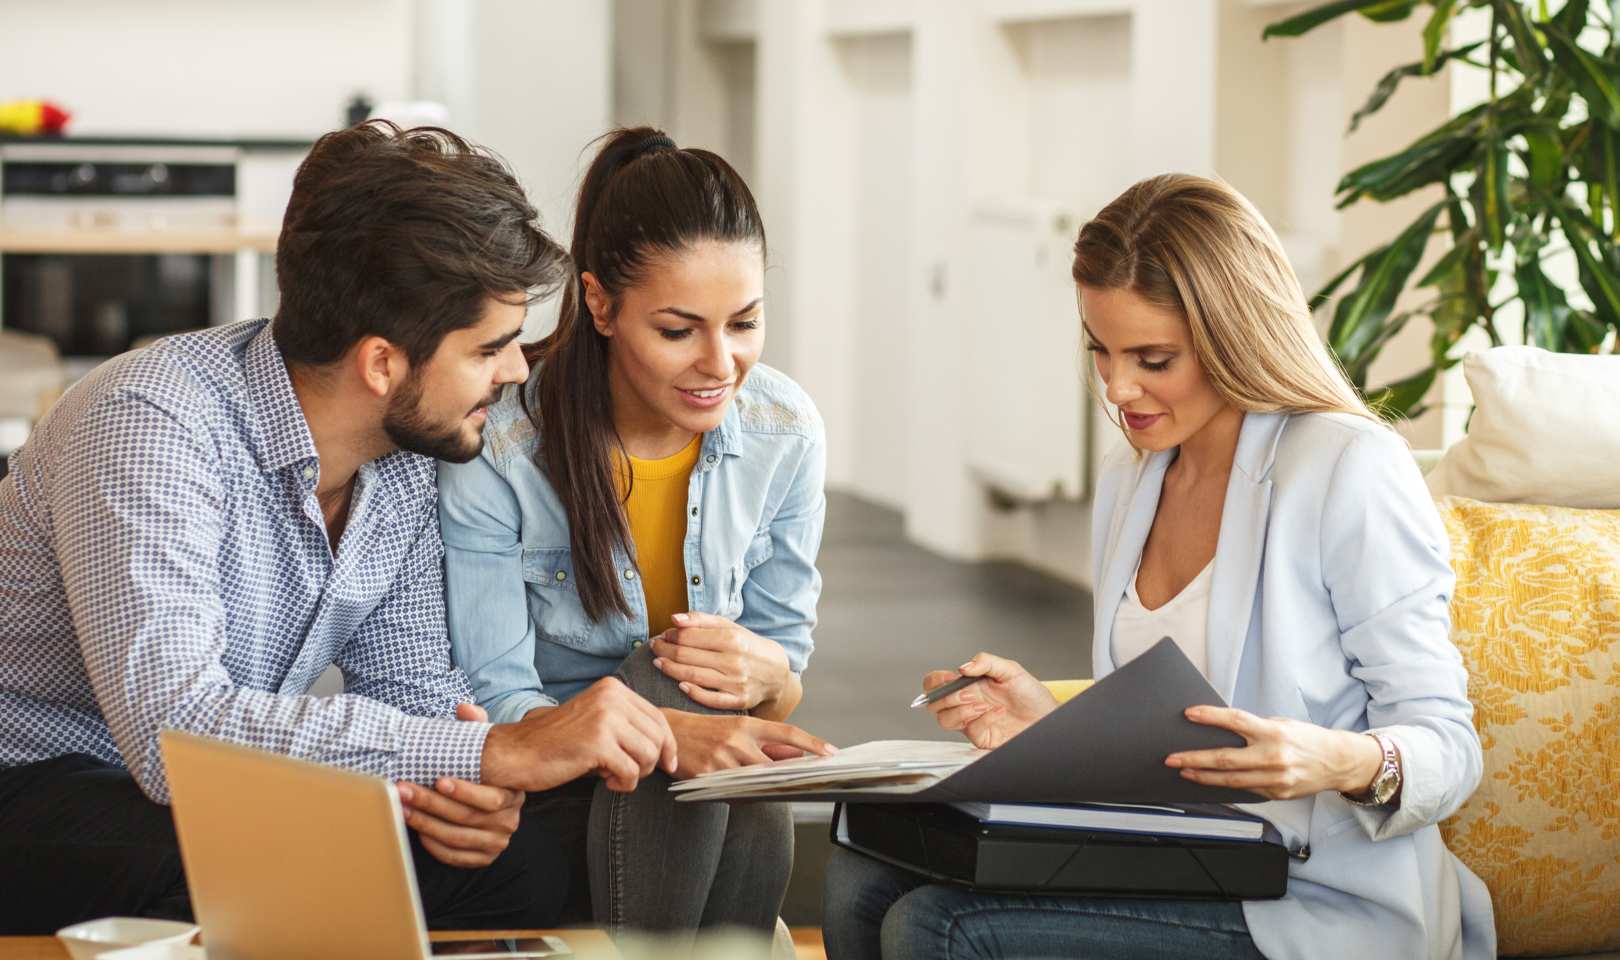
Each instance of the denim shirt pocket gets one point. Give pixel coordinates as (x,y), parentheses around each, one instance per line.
(759,551)
(554,603)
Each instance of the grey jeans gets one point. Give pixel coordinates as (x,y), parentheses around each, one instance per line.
(658,866)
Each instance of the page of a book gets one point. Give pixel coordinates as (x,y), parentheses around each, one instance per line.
(881,766)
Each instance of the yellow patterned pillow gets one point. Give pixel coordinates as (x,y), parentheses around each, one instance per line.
(1537,618)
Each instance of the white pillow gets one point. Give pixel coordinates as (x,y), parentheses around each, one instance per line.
(1545,430)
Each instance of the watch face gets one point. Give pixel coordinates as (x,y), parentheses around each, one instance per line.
(1383,789)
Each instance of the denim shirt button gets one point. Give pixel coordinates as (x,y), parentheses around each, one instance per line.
(629,574)
(711,458)
(697,581)
(562,574)
(636,644)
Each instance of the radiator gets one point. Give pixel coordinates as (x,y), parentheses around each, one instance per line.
(1027,400)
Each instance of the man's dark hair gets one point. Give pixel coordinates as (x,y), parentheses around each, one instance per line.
(402,235)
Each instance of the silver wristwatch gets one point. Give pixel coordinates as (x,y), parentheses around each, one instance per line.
(1388,781)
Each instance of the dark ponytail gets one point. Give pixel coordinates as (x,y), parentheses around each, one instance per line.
(642,198)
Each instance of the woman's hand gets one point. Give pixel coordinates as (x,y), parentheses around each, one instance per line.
(996,709)
(708,742)
(1284,759)
(726,667)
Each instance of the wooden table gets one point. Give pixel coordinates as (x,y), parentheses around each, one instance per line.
(587,944)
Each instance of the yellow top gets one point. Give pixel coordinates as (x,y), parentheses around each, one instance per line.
(656,510)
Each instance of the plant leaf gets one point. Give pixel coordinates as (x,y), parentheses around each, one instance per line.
(1597,278)
(1397,400)
(1546,311)
(1303,23)
(1386,86)
(1357,330)
(1584,333)
(1460,249)
(1434,32)
(1493,204)
(1596,80)
(1321,296)
(1389,11)
(1546,153)
(1531,60)
(1433,158)
(1572,18)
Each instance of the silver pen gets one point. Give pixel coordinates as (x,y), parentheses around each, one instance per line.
(944,690)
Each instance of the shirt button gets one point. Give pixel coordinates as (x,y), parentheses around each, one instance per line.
(562,575)
(697,581)
(635,644)
(309,473)
(711,458)
(694,511)
(629,574)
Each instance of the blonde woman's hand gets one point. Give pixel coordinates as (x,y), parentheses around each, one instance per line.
(1283,759)
(996,709)
(727,667)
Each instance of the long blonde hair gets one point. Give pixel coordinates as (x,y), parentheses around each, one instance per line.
(1197,247)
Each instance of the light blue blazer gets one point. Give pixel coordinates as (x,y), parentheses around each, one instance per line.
(1329,605)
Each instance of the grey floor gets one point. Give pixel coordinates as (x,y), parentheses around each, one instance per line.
(892,611)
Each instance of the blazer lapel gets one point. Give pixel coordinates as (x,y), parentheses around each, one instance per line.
(1240,550)
(1123,554)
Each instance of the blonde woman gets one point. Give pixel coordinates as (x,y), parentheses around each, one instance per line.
(1276,529)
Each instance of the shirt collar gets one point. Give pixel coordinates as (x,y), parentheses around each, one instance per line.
(726,439)
(282,434)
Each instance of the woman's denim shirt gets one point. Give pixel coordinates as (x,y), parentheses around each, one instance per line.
(755,510)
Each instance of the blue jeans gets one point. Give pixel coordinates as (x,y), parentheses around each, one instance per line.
(873,911)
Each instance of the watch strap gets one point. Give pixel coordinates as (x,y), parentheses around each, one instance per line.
(1386,782)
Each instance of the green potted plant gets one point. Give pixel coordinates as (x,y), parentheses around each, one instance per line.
(1529,173)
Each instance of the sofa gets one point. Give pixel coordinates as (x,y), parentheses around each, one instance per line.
(1531,502)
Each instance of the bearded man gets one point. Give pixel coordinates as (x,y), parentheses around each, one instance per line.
(199,529)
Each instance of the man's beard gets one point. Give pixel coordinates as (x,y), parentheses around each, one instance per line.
(411,429)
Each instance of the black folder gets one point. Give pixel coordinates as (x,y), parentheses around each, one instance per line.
(948,846)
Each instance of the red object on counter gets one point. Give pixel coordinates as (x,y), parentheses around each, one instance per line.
(33,118)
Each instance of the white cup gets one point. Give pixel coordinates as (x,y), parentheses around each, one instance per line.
(88,940)
(161,950)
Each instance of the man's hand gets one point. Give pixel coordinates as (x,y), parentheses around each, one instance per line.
(710,742)
(462,824)
(726,667)
(607,728)
(996,709)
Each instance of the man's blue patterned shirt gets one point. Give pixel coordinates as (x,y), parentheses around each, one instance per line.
(164,563)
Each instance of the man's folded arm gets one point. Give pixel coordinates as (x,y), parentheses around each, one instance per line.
(140,514)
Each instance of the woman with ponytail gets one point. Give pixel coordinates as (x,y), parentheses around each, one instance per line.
(649,506)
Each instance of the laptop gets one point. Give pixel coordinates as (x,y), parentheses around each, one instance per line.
(287,858)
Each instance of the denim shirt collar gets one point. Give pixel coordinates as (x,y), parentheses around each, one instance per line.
(283,436)
(724,440)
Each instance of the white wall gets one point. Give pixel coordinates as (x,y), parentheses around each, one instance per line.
(205,68)
(531,79)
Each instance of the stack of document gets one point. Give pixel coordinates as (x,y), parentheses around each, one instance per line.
(1182,820)
(882,766)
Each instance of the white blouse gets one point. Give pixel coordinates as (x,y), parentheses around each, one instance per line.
(1185,619)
